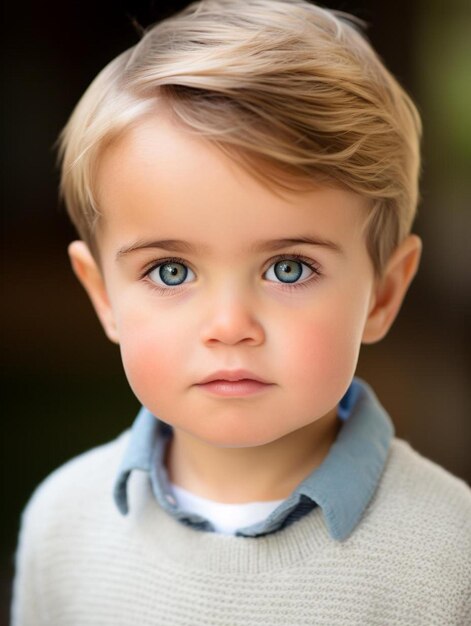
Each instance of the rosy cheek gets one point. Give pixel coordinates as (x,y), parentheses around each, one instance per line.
(323,352)
(150,359)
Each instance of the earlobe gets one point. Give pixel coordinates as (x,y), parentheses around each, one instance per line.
(89,274)
(391,289)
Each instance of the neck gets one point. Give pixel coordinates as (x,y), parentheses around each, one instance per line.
(253,474)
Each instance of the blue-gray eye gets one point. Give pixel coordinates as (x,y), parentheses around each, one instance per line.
(289,270)
(170,273)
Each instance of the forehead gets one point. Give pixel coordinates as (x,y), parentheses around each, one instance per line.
(160,180)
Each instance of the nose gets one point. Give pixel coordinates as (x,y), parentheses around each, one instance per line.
(231,319)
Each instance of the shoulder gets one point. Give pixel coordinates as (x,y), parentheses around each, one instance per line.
(66,521)
(417,532)
(423,506)
(80,485)
(412,479)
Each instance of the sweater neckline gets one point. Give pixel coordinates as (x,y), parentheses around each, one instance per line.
(216,552)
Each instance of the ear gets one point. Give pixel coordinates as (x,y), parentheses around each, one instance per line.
(89,274)
(391,288)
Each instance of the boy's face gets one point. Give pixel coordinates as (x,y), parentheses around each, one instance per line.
(296,323)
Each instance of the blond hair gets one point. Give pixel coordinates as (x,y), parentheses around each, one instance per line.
(292,91)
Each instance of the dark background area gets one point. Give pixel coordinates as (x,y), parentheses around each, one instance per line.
(64,390)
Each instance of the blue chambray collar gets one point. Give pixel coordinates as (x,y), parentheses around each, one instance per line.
(342,485)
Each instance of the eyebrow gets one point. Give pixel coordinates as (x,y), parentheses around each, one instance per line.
(269,245)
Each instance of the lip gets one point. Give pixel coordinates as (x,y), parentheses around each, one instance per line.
(234,388)
(232,376)
(233,383)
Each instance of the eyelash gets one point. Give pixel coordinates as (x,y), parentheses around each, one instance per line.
(316,273)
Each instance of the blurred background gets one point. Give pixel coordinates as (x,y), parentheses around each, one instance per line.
(64,390)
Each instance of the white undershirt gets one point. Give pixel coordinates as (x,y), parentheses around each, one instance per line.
(226,518)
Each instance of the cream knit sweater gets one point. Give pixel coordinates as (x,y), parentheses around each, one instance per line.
(81,563)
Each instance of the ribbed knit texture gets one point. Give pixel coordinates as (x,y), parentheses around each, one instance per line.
(81,563)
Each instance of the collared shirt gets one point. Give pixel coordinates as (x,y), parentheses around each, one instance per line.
(342,485)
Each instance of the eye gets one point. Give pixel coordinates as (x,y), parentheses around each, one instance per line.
(170,273)
(289,270)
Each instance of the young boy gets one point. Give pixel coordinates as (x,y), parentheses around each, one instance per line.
(244,182)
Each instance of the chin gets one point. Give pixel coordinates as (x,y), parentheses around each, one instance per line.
(226,437)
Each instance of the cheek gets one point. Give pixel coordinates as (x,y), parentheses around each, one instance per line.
(322,350)
(152,351)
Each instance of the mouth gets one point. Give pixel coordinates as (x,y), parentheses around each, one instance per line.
(234,383)
(232,376)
